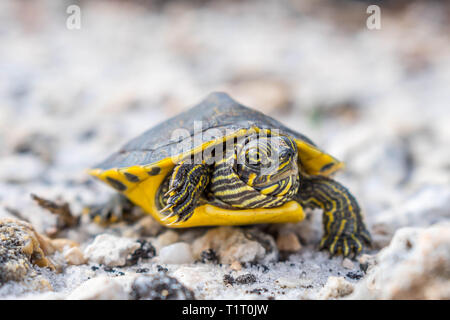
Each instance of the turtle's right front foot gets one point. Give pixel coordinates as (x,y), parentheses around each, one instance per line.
(116,209)
(187,183)
(344,229)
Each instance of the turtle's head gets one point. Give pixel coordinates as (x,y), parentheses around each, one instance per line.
(267,162)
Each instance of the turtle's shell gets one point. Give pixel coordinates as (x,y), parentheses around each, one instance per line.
(218,111)
(140,166)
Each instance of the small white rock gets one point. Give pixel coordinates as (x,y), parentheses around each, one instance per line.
(74,256)
(110,250)
(285,282)
(177,253)
(100,288)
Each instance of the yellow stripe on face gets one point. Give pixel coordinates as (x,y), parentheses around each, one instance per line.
(251,179)
(284,164)
(218,178)
(231,192)
(258,198)
(286,188)
(269,189)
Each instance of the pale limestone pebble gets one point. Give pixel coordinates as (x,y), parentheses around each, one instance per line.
(416,265)
(176,253)
(74,256)
(235,244)
(347,263)
(110,250)
(69,250)
(99,288)
(335,288)
(236,266)
(288,242)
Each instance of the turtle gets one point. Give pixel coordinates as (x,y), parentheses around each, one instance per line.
(222,163)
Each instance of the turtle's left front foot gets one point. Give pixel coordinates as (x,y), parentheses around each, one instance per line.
(187,183)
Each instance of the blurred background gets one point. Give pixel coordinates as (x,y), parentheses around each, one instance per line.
(376,99)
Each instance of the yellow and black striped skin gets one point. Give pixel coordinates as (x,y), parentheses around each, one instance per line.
(344,229)
(237,180)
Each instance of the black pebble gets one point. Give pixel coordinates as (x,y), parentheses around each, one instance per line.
(159,287)
(228,279)
(364,267)
(161,269)
(354,275)
(145,251)
(246,279)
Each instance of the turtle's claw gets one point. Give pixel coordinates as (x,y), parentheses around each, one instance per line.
(170,192)
(345,244)
(167,208)
(170,215)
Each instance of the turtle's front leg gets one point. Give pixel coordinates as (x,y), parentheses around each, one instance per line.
(187,183)
(344,228)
